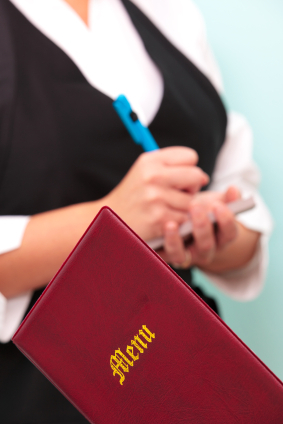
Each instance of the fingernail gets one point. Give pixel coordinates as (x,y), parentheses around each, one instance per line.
(205,179)
(171,227)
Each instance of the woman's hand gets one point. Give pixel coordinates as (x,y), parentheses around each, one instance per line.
(208,237)
(231,246)
(158,188)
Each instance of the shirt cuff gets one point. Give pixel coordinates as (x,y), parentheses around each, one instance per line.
(12,230)
(246,283)
(12,312)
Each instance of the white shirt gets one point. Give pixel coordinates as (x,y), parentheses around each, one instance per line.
(108,53)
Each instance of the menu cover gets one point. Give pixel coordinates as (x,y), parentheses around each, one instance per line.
(127,341)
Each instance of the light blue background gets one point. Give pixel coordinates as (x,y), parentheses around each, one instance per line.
(247,40)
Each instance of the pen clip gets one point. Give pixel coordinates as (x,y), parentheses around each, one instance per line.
(139,133)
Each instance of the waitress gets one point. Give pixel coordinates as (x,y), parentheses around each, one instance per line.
(65,154)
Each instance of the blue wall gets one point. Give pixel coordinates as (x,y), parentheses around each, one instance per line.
(247,39)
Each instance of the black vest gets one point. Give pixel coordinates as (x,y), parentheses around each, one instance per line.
(61,143)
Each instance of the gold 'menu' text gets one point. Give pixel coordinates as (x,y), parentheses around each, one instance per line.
(119,362)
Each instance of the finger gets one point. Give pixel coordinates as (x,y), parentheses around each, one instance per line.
(232,194)
(174,250)
(206,198)
(174,215)
(227,228)
(176,155)
(159,215)
(177,199)
(190,178)
(203,232)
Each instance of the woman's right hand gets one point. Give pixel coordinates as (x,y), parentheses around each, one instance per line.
(157,189)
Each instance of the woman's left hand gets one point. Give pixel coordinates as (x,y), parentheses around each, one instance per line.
(206,242)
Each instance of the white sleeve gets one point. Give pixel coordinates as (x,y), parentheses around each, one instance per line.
(235,166)
(12,312)
(182,23)
(12,229)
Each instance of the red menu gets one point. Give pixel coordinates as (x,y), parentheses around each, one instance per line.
(127,341)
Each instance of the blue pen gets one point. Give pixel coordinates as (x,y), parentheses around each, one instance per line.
(139,133)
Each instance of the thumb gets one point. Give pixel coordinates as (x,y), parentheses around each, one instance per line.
(232,194)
